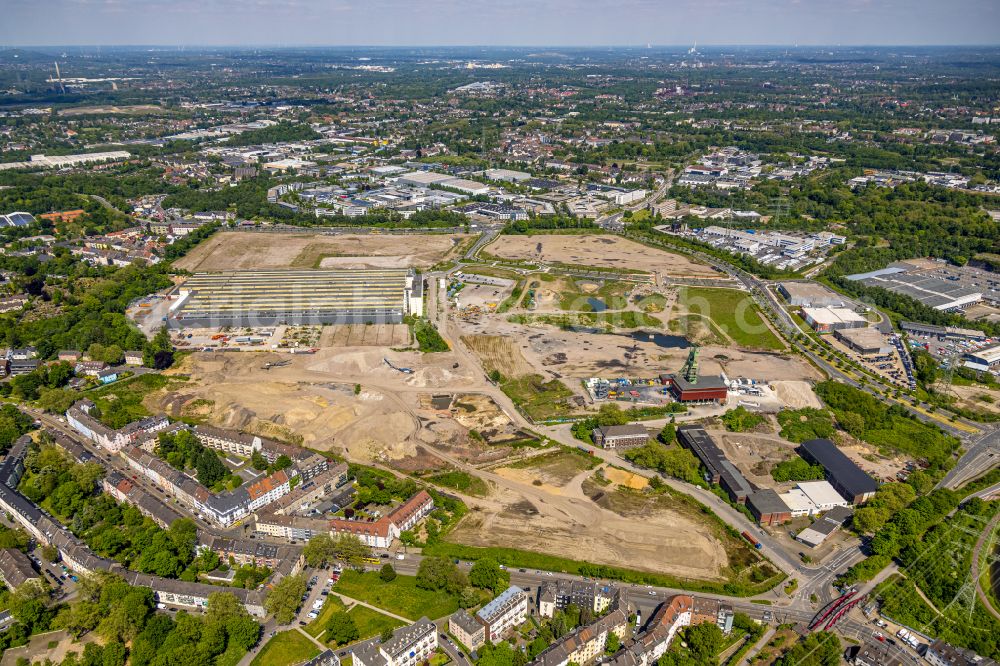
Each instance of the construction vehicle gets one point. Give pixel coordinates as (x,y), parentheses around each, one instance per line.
(274,364)
(405,371)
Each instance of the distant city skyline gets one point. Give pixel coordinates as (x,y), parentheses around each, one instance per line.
(499,22)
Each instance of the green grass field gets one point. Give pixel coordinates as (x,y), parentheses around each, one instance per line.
(371,623)
(401,596)
(286,649)
(734,312)
(333,605)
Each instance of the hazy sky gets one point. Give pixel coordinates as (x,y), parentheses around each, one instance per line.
(498,22)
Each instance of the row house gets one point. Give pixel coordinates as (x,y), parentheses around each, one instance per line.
(77,556)
(79,418)
(584,645)
(378,533)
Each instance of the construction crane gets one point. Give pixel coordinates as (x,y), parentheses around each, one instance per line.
(274,364)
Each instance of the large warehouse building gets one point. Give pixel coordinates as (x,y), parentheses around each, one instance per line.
(719,469)
(987,358)
(934,292)
(852,482)
(865,341)
(827,320)
(810,294)
(297,298)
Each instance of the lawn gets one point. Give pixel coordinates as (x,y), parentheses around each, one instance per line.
(734,312)
(333,605)
(400,596)
(285,649)
(371,623)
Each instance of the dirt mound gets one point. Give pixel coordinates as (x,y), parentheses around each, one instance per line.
(796,394)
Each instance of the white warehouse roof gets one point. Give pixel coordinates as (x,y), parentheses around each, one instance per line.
(832,316)
(822,494)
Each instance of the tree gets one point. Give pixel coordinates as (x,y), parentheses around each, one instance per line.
(29,602)
(348,548)
(78,618)
(320,550)
(56,400)
(668,435)
(282,462)
(818,649)
(226,612)
(127,615)
(114,654)
(440,573)
(852,423)
(341,628)
(613,643)
(469,597)
(285,597)
(486,574)
(387,573)
(704,641)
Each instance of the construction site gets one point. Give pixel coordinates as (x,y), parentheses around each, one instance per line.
(481,407)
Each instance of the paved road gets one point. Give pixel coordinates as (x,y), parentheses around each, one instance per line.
(981,457)
(484,239)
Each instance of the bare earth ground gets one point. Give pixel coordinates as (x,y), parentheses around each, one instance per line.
(968,396)
(300,400)
(561,520)
(597,250)
(363,335)
(234,250)
(625,478)
(497,352)
(796,394)
(580,355)
(755,454)
(422,420)
(871,461)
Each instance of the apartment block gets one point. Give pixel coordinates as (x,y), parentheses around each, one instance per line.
(505,613)
(408,646)
(467,629)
